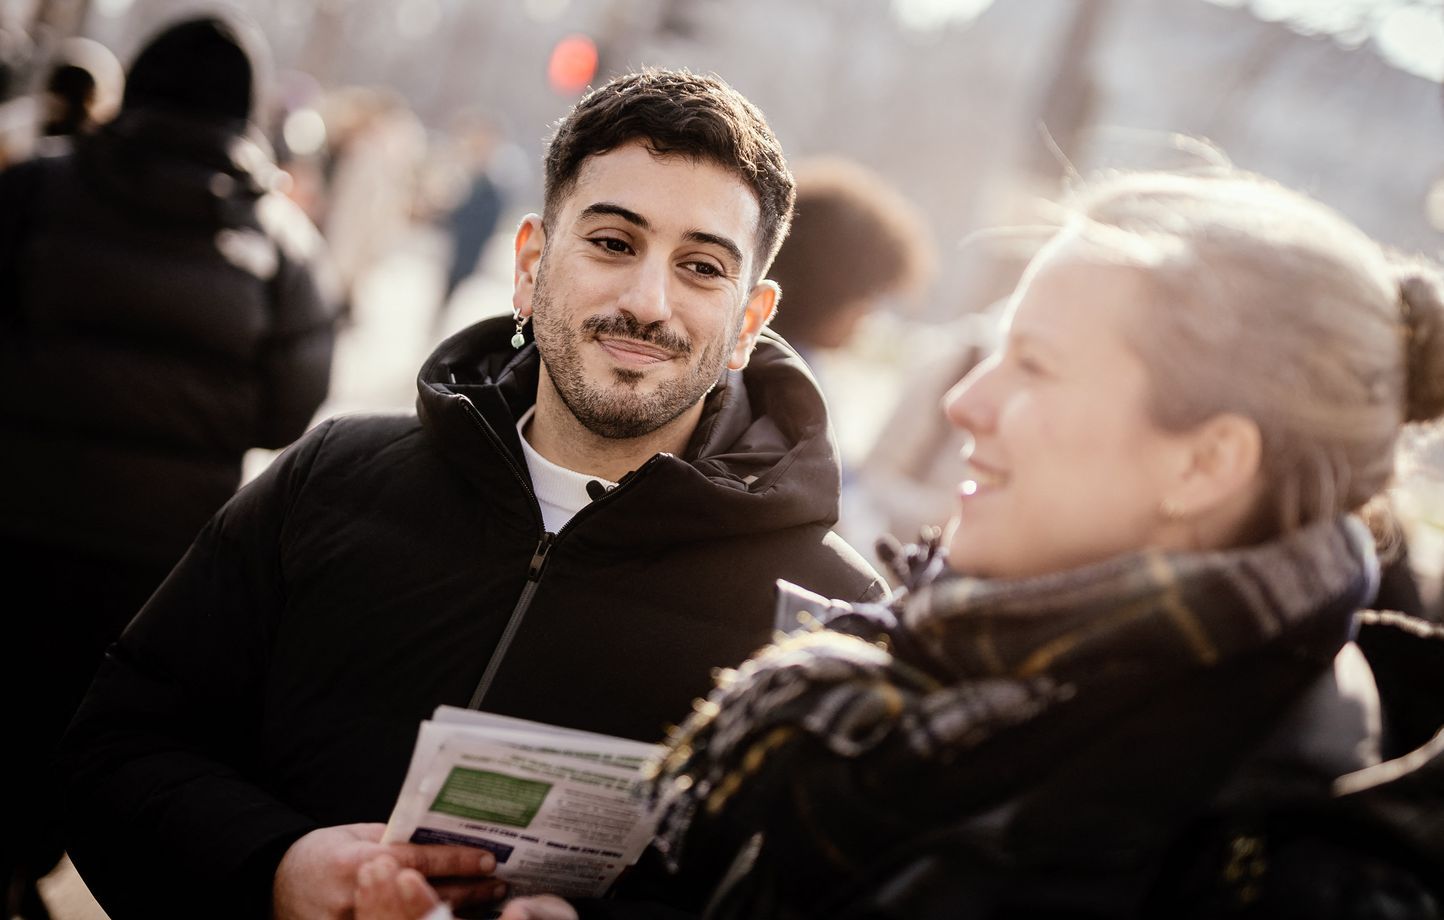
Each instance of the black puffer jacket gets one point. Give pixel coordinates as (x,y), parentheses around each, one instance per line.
(162,312)
(275,682)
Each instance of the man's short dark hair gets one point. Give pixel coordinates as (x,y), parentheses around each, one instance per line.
(677,112)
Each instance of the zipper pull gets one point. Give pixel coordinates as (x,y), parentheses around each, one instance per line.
(539,557)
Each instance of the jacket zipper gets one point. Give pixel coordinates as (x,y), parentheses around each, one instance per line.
(513,623)
(539,555)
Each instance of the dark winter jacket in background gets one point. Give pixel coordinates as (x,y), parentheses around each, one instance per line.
(275,682)
(161,313)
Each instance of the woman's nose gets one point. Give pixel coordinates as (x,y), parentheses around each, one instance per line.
(967,405)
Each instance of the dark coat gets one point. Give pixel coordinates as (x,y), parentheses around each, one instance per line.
(162,313)
(1273,776)
(1298,829)
(275,682)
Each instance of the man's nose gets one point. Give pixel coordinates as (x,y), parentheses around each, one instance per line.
(647,298)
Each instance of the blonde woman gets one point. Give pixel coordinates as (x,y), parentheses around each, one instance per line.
(1126,681)
(1132,682)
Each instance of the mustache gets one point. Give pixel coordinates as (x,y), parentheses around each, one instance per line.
(625,326)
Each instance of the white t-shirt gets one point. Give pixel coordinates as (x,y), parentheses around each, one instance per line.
(560,492)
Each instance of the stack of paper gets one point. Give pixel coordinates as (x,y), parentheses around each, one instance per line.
(557,806)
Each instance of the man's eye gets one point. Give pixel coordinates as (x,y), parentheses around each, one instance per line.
(706,269)
(612,244)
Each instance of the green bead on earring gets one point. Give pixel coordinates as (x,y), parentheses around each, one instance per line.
(518,340)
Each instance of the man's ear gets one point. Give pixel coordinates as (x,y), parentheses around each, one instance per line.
(530,243)
(756,313)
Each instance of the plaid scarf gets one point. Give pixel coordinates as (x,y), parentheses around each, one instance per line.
(958,661)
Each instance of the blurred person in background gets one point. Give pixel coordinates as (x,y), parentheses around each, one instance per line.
(299,136)
(476,211)
(856,246)
(1134,678)
(375,146)
(164,310)
(81,91)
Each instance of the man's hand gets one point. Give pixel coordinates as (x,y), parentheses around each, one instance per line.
(317,878)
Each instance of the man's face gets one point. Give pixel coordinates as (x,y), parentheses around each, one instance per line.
(640,295)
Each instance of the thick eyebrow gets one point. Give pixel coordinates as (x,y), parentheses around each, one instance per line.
(607,208)
(614,210)
(701,236)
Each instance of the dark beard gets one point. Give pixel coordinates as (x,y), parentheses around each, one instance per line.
(617,411)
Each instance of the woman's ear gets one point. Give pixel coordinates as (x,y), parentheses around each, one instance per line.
(1228,454)
(1220,483)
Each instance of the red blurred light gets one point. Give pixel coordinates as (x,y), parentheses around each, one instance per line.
(573,64)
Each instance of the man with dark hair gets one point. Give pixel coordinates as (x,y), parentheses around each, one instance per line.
(662,110)
(575,530)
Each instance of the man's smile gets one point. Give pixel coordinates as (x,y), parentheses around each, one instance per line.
(633,352)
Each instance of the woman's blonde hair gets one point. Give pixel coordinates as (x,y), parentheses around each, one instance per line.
(1270,305)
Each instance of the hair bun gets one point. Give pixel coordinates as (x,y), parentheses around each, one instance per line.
(1421,307)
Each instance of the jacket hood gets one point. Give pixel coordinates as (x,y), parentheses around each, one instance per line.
(763,456)
(165,165)
(208,68)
